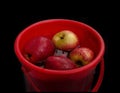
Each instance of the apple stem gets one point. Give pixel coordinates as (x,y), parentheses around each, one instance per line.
(62,37)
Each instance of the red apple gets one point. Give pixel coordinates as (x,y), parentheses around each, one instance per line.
(65,40)
(38,49)
(59,63)
(81,55)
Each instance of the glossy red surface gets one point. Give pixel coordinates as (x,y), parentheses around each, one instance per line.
(53,80)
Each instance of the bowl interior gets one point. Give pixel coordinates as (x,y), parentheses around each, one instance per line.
(87,36)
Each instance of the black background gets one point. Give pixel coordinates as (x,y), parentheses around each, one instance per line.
(13,24)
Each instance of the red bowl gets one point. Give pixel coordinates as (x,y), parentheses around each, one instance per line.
(88,37)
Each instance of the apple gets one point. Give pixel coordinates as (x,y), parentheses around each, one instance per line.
(59,63)
(65,40)
(81,55)
(38,48)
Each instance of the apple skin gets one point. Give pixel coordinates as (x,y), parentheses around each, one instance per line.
(65,40)
(81,55)
(38,49)
(59,63)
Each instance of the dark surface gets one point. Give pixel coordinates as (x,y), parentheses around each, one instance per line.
(14,24)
